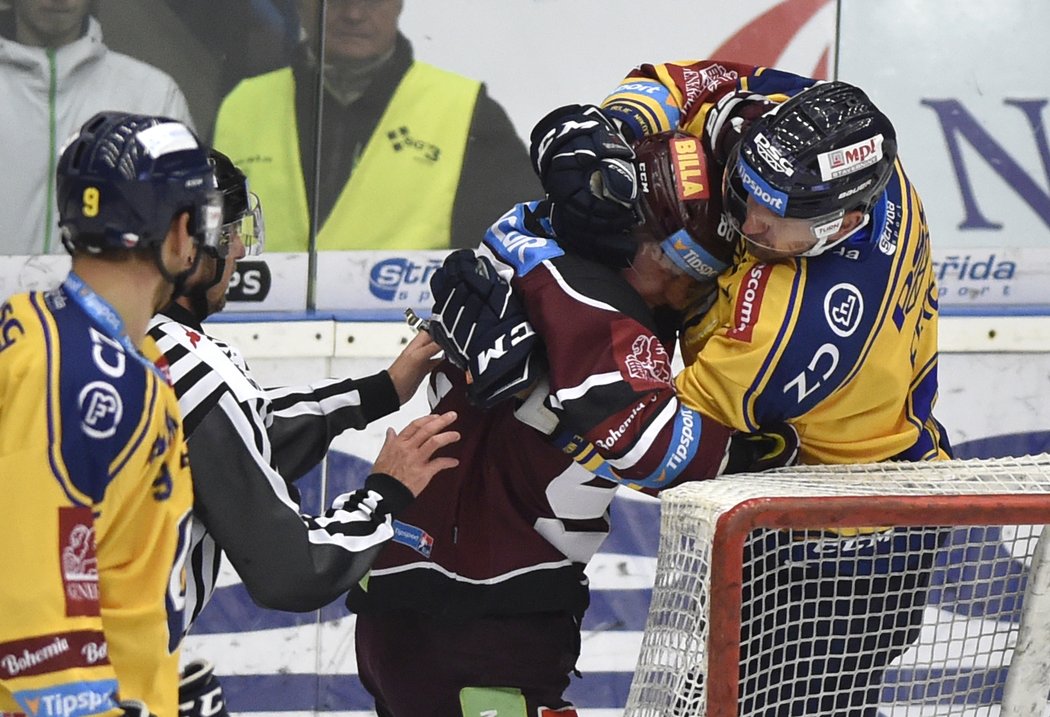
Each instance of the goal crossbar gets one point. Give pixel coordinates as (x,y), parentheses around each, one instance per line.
(696,618)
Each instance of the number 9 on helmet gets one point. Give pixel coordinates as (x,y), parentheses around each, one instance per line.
(124,177)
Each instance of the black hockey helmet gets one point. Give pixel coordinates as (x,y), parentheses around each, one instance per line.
(123,177)
(826,151)
(681,204)
(241,210)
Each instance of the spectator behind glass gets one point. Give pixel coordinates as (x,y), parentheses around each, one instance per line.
(412,156)
(55,73)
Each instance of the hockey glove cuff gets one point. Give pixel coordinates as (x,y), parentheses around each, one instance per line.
(200,694)
(587,169)
(775,446)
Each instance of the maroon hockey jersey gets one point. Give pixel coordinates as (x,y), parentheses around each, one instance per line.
(511,528)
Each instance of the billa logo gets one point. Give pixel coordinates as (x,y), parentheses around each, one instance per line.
(690,168)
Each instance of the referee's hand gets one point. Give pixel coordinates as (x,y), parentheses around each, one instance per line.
(409,457)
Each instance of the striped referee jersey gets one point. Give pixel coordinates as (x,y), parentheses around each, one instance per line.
(247,445)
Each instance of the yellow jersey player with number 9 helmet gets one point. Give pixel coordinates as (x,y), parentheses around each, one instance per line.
(92,454)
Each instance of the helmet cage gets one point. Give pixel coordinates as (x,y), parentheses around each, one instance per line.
(828,148)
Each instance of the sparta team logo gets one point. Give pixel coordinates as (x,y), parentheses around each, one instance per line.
(647,360)
(76,540)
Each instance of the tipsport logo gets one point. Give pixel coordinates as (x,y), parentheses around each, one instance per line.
(77,700)
(402,280)
(415,538)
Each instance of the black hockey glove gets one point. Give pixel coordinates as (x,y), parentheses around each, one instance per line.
(775,446)
(587,170)
(200,694)
(482,328)
(729,119)
(134,708)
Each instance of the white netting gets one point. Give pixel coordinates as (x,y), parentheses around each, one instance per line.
(919,617)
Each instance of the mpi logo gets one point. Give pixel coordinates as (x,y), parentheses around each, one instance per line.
(402,280)
(840,162)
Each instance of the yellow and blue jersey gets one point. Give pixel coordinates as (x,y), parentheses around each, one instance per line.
(695,96)
(93,464)
(842,345)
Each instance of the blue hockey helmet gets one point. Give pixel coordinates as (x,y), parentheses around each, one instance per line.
(123,177)
(824,152)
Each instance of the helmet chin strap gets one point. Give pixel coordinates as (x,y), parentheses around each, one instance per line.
(824,245)
(198,293)
(178,279)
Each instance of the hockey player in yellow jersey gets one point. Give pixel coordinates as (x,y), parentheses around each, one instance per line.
(92,454)
(827,319)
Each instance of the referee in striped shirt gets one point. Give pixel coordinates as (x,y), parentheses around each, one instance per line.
(248,444)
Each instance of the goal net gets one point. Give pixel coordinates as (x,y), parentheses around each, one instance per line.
(893,589)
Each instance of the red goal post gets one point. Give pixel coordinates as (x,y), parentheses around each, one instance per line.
(841,589)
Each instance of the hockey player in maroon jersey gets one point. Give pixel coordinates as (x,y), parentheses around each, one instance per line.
(477,602)
(827,320)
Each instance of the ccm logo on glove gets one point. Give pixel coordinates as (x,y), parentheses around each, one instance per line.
(504,342)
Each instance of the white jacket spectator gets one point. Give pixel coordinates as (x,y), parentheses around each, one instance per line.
(49,88)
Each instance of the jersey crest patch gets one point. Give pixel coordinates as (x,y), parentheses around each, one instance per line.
(76,540)
(641,357)
(843,308)
(101,409)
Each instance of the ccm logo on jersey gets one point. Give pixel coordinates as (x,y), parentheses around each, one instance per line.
(749,302)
